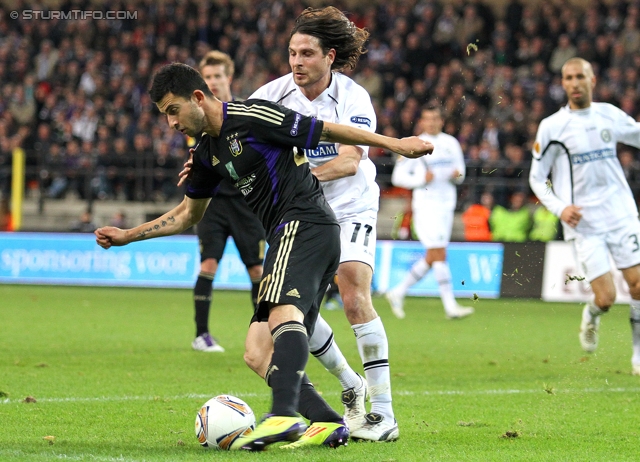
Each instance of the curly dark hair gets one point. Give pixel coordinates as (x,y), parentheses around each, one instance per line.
(179,79)
(334,30)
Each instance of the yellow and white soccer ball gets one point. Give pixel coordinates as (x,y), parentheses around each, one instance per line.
(222,420)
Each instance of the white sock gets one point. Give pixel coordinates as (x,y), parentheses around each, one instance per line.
(443,276)
(635,330)
(374,351)
(592,313)
(323,347)
(415,274)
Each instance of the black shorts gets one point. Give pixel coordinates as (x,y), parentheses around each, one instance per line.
(300,264)
(231,216)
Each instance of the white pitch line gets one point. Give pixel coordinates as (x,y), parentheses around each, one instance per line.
(267,395)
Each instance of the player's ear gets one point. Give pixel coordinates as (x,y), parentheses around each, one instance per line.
(198,96)
(331,54)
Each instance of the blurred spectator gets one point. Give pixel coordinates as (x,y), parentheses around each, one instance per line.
(119,220)
(54,175)
(561,53)
(6,223)
(545,225)
(22,106)
(371,81)
(84,224)
(46,60)
(77,169)
(512,224)
(124,177)
(476,219)
(165,170)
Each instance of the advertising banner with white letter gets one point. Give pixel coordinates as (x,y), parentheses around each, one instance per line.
(476,268)
(76,259)
(563,281)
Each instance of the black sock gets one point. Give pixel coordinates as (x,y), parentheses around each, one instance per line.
(255,286)
(312,406)
(290,354)
(202,300)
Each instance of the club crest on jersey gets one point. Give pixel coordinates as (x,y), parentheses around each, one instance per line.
(235,146)
(605,135)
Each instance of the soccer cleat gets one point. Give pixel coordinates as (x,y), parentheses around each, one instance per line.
(589,331)
(273,429)
(332,434)
(459,312)
(353,400)
(376,428)
(396,300)
(207,343)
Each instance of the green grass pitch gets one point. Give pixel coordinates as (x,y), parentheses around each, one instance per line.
(115,379)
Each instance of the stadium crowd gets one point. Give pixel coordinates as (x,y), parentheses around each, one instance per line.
(74,92)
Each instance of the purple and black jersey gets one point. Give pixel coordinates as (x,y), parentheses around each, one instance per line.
(256,151)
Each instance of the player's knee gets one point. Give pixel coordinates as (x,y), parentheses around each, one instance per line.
(634,289)
(209,266)
(358,307)
(604,301)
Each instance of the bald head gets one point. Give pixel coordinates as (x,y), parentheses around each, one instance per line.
(579,62)
(578,82)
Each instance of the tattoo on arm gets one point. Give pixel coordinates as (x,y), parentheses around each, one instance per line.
(326,132)
(156,227)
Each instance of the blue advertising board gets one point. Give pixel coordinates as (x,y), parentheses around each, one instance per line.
(476,268)
(76,259)
(174,261)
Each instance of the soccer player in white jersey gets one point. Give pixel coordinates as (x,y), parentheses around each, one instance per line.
(589,192)
(433,204)
(322,42)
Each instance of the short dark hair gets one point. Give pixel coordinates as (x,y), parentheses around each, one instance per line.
(179,79)
(334,30)
(431,107)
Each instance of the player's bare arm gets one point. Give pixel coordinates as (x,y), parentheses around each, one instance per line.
(346,164)
(411,146)
(571,215)
(186,214)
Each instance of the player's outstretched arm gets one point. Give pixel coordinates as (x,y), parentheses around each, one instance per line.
(186,214)
(411,146)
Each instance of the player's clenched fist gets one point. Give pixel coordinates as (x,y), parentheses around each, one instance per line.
(110,236)
(413,147)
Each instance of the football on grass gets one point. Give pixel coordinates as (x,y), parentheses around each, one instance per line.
(222,420)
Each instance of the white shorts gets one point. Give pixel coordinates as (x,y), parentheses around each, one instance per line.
(358,238)
(623,244)
(433,227)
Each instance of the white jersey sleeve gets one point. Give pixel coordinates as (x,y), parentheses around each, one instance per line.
(626,129)
(409,173)
(545,157)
